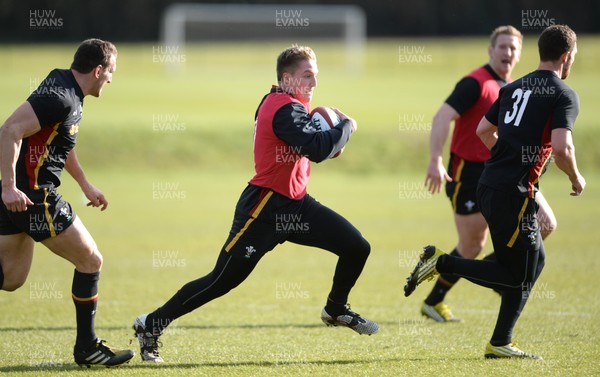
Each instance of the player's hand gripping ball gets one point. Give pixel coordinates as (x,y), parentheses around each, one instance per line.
(324,119)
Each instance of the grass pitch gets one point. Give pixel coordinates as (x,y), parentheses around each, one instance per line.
(172,193)
(270,324)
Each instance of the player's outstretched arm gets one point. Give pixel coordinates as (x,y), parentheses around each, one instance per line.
(440,128)
(22,123)
(564,157)
(94,195)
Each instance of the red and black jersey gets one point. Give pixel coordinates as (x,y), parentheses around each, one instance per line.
(285,141)
(471,98)
(526,112)
(57,103)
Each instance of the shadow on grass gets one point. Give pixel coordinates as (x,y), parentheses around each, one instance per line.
(59,367)
(188,327)
(140,365)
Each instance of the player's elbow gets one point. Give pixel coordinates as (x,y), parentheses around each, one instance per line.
(445,115)
(484,128)
(13,280)
(439,118)
(315,154)
(3,130)
(320,151)
(317,158)
(10,131)
(480,132)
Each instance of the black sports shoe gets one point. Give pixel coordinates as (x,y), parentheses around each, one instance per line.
(424,270)
(101,354)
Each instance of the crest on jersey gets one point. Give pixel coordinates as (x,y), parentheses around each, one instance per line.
(74,129)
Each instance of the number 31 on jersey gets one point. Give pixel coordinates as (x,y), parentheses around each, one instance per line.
(518,108)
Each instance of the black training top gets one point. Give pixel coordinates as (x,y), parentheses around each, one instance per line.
(57,103)
(526,112)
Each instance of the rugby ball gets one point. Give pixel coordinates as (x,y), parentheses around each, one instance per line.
(324,119)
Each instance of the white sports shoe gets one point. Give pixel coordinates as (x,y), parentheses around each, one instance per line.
(352,320)
(149,342)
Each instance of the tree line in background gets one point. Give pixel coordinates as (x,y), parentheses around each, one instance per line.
(139,20)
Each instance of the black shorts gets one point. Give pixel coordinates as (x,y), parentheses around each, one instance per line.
(512,220)
(462,190)
(49,216)
(263,219)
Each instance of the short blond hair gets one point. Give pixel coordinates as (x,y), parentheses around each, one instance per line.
(506,30)
(288,60)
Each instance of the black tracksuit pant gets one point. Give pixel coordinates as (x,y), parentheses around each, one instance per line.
(263,219)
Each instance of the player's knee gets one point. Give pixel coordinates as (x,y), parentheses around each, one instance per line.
(363,248)
(7,286)
(91,264)
(12,283)
(97,261)
(471,248)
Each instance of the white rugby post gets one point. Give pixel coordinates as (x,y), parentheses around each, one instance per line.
(268,17)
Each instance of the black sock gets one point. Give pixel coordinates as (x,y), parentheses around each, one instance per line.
(229,272)
(443,284)
(1,277)
(158,320)
(335,309)
(510,310)
(85,297)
